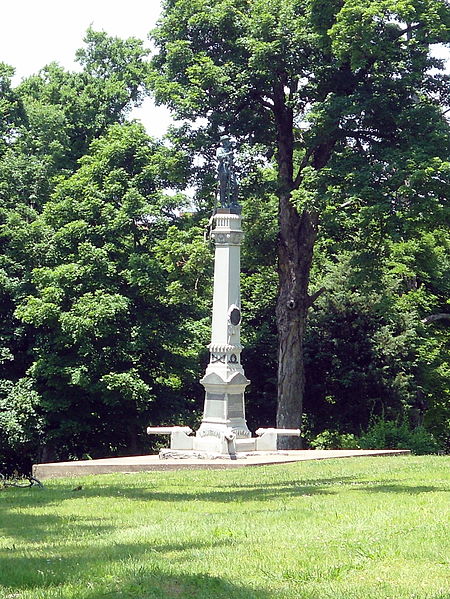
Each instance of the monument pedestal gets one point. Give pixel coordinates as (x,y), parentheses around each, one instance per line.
(224,425)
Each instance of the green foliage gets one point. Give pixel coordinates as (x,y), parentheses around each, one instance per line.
(347,98)
(368,352)
(333,440)
(389,434)
(375,24)
(11,107)
(88,315)
(259,286)
(346,68)
(111,337)
(435,376)
(360,353)
(61,113)
(21,425)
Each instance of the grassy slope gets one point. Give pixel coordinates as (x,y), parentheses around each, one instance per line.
(367,528)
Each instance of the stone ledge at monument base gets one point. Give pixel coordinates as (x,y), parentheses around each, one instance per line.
(149,463)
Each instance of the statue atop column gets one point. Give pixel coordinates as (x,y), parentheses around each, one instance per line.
(228,186)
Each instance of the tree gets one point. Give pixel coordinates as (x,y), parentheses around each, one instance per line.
(341,90)
(48,123)
(11,109)
(111,334)
(20,425)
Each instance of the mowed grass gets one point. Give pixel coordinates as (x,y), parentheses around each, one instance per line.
(364,528)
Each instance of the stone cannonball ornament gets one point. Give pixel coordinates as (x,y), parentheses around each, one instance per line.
(234,315)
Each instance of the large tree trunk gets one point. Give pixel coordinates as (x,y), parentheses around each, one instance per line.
(295,251)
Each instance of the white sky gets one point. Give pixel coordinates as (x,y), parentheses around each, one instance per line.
(36,32)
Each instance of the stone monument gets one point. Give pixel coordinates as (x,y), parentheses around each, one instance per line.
(223,430)
(224,380)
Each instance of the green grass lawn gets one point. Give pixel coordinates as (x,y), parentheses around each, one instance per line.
(365,528)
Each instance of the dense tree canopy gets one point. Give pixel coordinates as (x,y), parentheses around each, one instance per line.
(96,334)
(109,339)
(347,97)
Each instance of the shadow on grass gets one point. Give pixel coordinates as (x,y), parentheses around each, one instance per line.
(160,585)
(66,548)
(39,527)
(266,492)
(364,485)
(399,488)
(48,496)
(226,493)
(119,570)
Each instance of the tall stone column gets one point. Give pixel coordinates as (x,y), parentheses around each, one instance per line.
(224,380)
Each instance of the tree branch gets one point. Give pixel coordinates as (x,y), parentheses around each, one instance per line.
(347,203)
(408,30)
(298,179)
(293,88)
(253,97)
(362,134)
(265,103)
(360,75)
(312,298)
(434,317)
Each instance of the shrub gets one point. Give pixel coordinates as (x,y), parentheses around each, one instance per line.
(334,440)
(392,435)
(20,426)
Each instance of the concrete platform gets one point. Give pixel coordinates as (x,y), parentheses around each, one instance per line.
(147,463)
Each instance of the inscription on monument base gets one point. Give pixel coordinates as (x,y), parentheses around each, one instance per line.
(209,432)
(242,433)
(235,405)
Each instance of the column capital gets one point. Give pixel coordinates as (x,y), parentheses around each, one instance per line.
(224,237)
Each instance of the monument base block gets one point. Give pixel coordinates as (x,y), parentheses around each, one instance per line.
(178,454)
(148,463)
(218,439)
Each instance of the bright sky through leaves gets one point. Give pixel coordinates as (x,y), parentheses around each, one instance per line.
(33,34)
